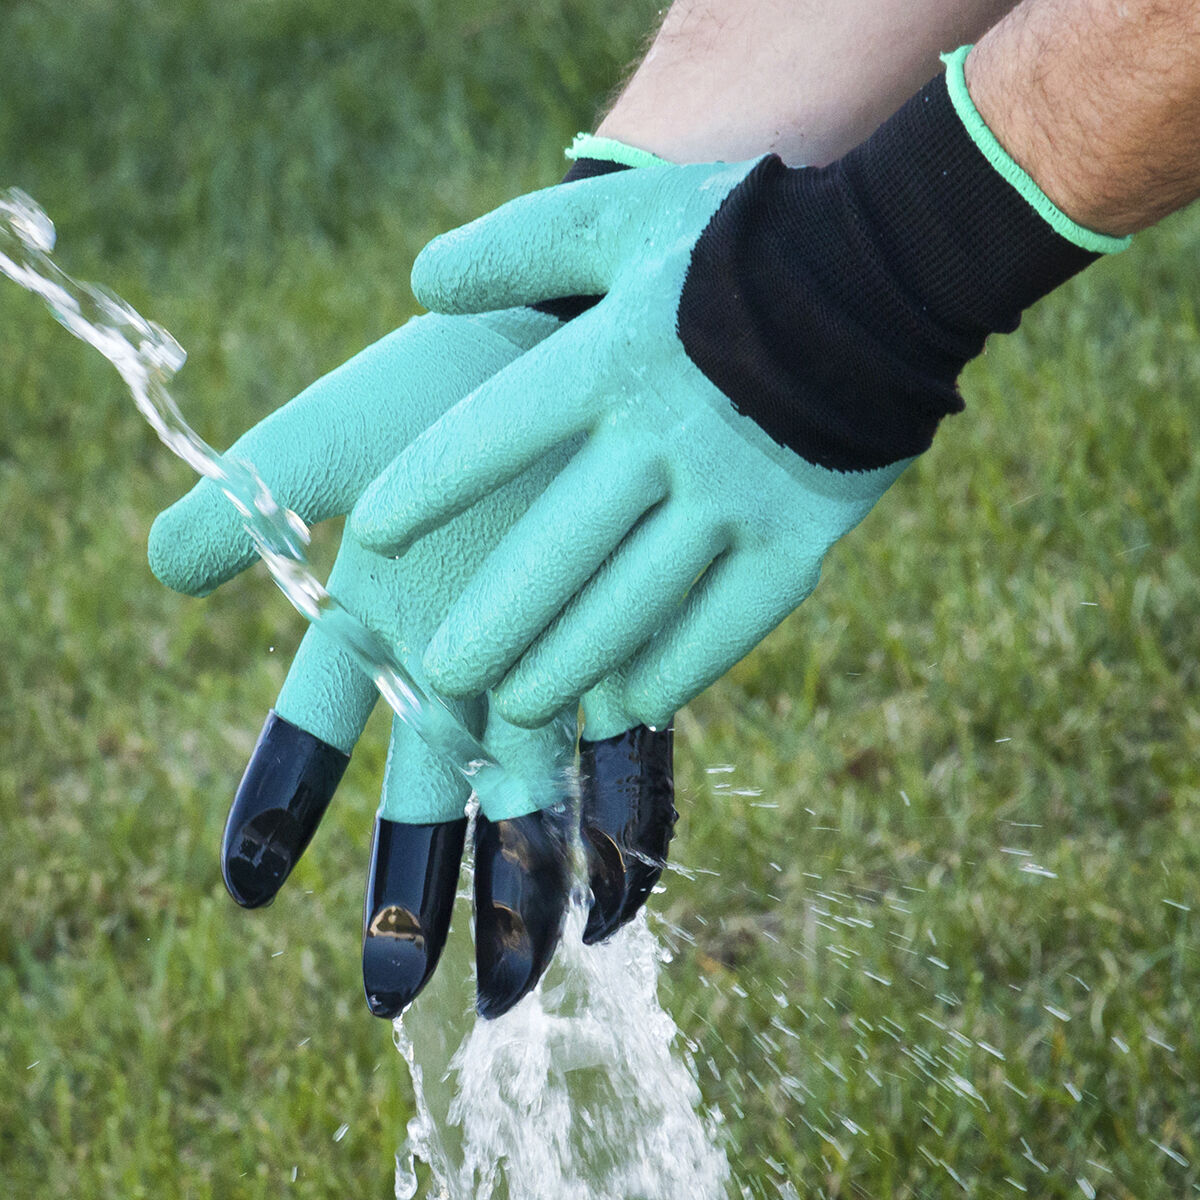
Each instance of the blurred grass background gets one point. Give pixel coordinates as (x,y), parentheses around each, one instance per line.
(951,948)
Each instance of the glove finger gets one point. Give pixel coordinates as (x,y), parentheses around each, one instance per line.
(522,861)
(737,602)
(415,854)
(632,594)
(287,786)
(627,817)
(550,553)
(563,241)
(326,692)
(315,454)
(484,441)
(318,452)
(420,785)
(296,766)
(411,888)
(537,761)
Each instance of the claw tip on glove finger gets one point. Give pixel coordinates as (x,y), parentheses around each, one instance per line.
(288,783)
(522,878)
(627,819)
(409,902)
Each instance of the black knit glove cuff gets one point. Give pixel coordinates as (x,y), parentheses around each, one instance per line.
(836,306)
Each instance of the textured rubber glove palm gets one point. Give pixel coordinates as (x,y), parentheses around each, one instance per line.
(317,454)
(773,347)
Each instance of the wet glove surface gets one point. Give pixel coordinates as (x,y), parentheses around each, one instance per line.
(774,346)
(317,454)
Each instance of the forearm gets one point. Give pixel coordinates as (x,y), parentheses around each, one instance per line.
(732,79)
(1099,101)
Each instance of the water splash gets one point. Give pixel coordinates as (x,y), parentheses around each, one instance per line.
(585,1089)
(147,357)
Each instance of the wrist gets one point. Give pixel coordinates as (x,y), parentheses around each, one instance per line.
(1038,174)
(1099,104)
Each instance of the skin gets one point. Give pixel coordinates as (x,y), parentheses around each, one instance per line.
(1098,100)
(732,79)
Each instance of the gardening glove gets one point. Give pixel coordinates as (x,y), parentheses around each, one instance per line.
(774,346)
(317,454)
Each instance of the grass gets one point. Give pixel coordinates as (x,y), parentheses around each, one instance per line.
(951,944)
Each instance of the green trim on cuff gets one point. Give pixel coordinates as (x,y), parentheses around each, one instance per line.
(1011,172)
(588,145)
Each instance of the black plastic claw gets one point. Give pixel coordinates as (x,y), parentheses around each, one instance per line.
(410,896)
(522,877)
(289,781)
(627,815)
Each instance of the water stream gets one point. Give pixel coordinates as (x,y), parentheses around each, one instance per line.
(586,1089)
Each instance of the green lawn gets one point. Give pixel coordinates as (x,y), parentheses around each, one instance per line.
(952,939)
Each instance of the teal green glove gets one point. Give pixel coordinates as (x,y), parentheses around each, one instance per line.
(773,347)
(679,534)
(317,454)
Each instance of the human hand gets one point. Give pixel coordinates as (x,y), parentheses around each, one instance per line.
(680,533)
(317,454)
(773,347)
